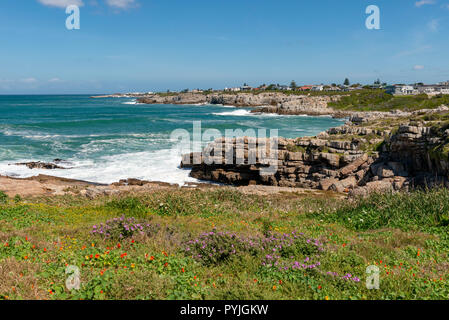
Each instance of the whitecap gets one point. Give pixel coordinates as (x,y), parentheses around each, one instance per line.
(130,102)
(160,165)
(236,113)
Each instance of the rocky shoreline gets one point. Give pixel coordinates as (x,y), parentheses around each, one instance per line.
(372,152)
(262,102)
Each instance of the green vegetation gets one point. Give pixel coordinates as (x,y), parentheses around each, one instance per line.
(378,100)
(156,255)
(295,148)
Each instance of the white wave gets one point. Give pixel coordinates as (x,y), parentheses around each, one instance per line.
(33,135)
(130,102)
(236,113)
(196,104)
(162,165)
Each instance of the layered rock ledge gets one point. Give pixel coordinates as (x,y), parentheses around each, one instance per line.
(371,152)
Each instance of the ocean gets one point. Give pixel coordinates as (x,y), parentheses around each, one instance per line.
(105,140)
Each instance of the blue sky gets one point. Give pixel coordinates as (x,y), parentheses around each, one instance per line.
(147,45)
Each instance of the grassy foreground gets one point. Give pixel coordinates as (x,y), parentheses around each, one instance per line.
(222,244)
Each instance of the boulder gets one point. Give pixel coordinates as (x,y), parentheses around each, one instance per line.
(40,165)
(327,183)
(352,167)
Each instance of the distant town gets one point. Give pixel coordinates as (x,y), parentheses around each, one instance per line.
(394,89)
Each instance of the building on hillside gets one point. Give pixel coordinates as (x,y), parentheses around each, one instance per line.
(332,88)
(425,88)
(353,88)
(237,89)
(433,89)
(443,89)
(305,88)
(419,88)
(318,88)
(401,90)
(283,88)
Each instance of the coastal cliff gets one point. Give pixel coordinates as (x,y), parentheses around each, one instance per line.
(267,102)
(371,152)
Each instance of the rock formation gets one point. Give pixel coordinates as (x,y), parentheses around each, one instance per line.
(266,102)
(41,165)
(383,152)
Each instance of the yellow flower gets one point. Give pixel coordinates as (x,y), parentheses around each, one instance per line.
(326,298)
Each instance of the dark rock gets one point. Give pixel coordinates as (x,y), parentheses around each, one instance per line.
(40,165)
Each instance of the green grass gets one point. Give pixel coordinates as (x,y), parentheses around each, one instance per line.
(406,235)
(378,100)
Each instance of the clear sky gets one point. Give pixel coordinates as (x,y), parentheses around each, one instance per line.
(147,45)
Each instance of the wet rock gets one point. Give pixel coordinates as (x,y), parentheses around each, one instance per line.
(40,165)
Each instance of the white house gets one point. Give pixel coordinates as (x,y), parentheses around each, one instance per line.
(401,90)
(444,89)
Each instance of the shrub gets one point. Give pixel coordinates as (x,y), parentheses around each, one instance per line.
(120,228)
(216,247)
(17,198)
(3,197)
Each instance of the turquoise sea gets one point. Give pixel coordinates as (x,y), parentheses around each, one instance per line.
(105,140)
